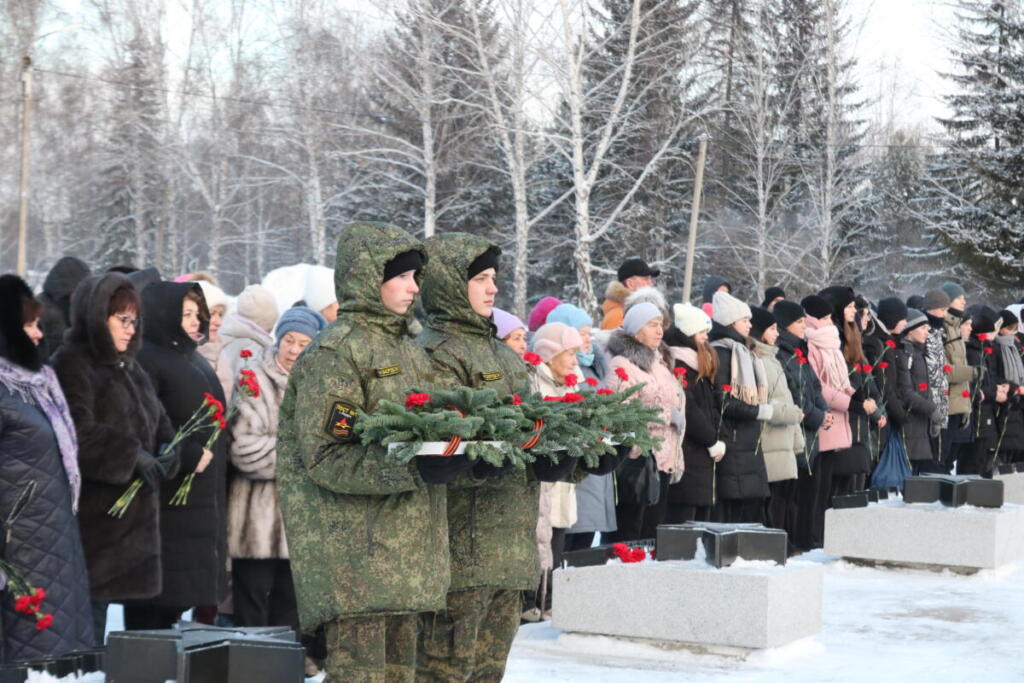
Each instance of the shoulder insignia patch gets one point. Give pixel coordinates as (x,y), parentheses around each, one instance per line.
(491,376)
(341,417)
(388,371)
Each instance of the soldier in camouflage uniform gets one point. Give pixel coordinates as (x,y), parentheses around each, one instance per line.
(492,513)
(367,537)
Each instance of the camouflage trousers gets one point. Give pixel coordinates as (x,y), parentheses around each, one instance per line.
(469,642)
(372,649)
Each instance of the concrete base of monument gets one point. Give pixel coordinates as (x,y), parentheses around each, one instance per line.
(690,604)
(930,536)
(1013,487)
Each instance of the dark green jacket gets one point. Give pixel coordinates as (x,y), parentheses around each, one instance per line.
(491,524)
(365,536)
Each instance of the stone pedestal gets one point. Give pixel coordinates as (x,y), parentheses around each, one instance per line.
(750,605)
(1013,487)
(932,535)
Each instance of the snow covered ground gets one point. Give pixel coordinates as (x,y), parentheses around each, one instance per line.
(879,625)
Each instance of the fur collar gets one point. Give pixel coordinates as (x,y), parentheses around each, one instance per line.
(616,291)
(622,344)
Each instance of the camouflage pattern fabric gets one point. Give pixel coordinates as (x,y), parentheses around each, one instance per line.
(366,536)
(470,641)
(372,650)
(492,524)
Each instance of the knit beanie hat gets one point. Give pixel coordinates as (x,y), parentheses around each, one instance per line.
(838,297)
(301,319)
(787,313)
(816,306)
(505,322)
(488,259)
(935,298)
(319,291)
(771,294)
(952,290)
(404,262)
(760,321)
(915,301)
(257,304)
(690,320)
(539,314)
(891,311)
(638,316)
(554,338)
(1009,318)
(915,319)
(984,320)
(214,296)
(727,309)
(571,315)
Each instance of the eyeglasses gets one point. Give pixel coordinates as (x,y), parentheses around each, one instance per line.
(128,321)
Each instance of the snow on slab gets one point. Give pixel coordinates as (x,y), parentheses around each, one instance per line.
(878,625)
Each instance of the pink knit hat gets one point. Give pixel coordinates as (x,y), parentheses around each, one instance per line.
(554,338)
(539,315)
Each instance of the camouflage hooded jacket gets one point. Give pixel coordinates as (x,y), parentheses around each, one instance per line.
(365,536)
(491,524)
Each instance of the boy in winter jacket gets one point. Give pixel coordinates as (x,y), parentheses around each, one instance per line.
(916,394)
(367,537)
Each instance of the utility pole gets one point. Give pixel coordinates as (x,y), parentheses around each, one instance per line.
(698,187)
(26,148)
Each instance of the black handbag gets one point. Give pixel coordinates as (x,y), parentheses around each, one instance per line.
(637,481)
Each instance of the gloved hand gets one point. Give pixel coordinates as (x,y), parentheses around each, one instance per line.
(547,471)
(678,420)
(437,470)
(149,468)
(485,470)
(169,459)
(765,412)
(717,450)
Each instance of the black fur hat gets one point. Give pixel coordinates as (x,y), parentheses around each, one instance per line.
(15,345)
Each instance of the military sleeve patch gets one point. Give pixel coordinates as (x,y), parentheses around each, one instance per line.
(341,417)
(491,376)
(389,371)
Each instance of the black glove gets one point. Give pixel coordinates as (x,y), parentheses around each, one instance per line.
(438,470)
(149,468)
(545,470)
(169,459)
(485,470)
(607,463)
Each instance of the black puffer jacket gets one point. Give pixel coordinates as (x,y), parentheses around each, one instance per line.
(40,533)
(116,414)
(741,473)
(983,393)
(913,374)
(882,351)
(805,387)
(697,485)
(865,444)
(1010,414)
(58,287)
(194,535)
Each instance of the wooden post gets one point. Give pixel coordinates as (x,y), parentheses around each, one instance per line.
(26,148)
(698,187)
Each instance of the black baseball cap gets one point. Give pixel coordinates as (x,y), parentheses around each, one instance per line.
(636,266)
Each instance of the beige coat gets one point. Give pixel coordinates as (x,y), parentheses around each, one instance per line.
(558,499)
(782,437)
(255,529)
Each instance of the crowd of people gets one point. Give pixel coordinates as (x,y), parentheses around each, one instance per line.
(425,570)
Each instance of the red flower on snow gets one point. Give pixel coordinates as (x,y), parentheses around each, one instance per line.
(622,374)
(44,622)
(922,387)
(416,400)
(605,392)
(591,382)
(531,358)
(572,398)
(571,380)
(245,353)
(516,401)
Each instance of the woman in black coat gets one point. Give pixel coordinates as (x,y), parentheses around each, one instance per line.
(692,497)
(194,535)
(120,426)
(1009,368)
(39,488)
(986,398)
(915,393)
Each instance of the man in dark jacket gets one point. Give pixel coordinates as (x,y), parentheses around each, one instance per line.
(58,287)
(367,536)
(492,513)
(806,390)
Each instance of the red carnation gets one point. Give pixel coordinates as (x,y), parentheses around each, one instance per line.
(605,392)
(988,350)
(592,382)
(516,401)
(245,353)
(531,358)
(727,388)
(679,372)
(416,400)
(883,365)
(856,367)
(621,374)
(44,622)
(571,380)
(966,393)
(982,337)
(553,399)
(38,597)
(801,360)
(572,398)
(637,555)
(23,605)
(947,369)
(867,367)
(922,387)
(890,343)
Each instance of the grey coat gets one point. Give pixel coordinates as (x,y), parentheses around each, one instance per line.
(595,494)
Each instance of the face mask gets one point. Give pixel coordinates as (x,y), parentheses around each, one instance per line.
(585,359)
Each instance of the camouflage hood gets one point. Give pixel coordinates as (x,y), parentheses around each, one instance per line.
(445,296)
(363,251)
